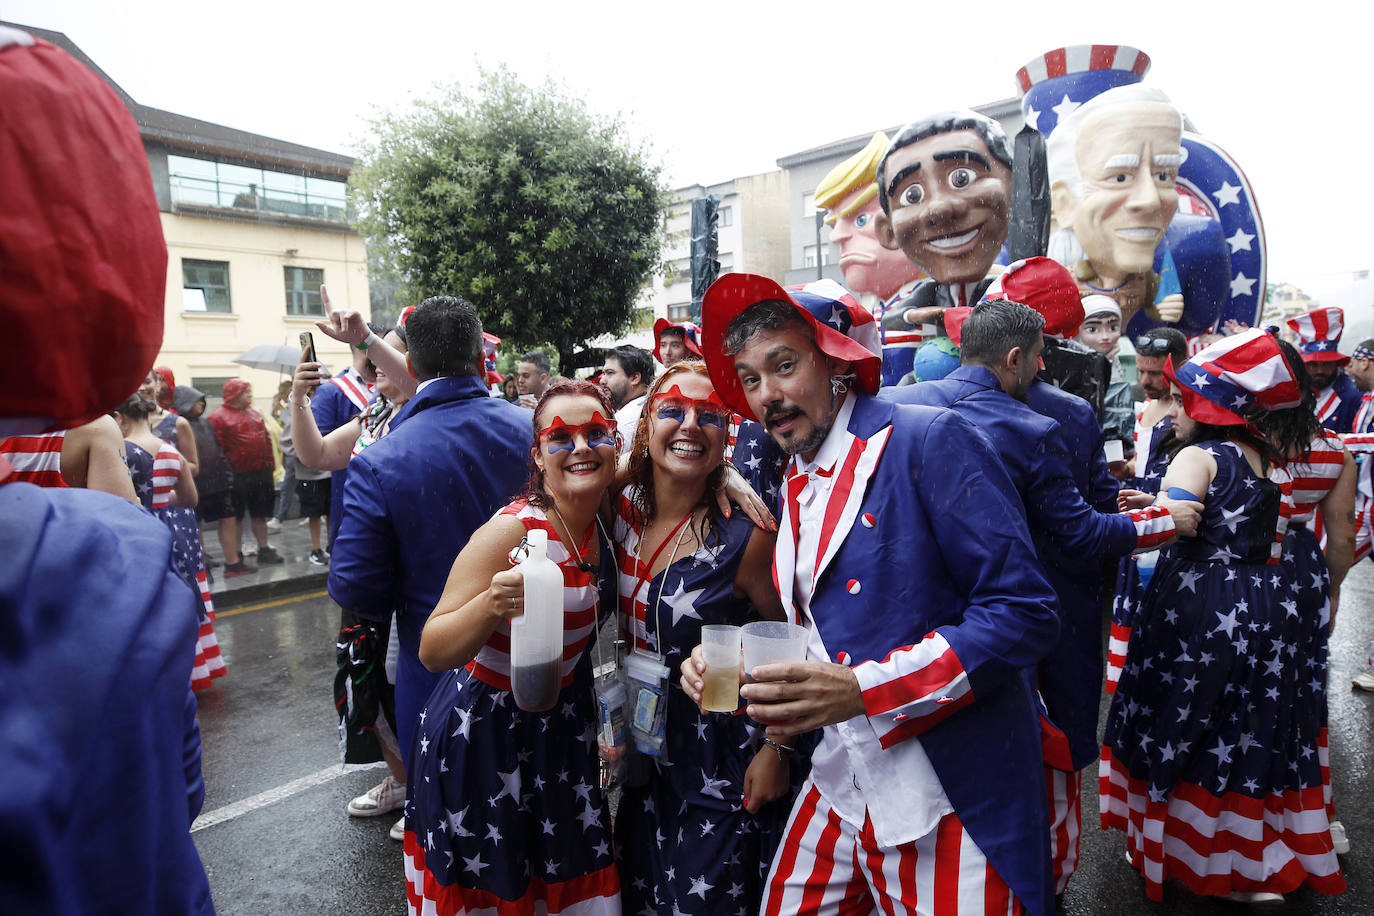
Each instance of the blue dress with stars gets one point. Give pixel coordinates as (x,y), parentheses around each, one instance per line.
(686,844)
(504,810)
(1130,585)
(1211,760)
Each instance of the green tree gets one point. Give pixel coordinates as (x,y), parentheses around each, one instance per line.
(521,200)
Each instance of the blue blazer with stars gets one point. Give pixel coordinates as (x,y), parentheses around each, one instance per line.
(1033,448)
(943,549)
(453,457)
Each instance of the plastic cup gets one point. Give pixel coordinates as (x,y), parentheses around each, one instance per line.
(769,641)
(1114,450)
(720,687)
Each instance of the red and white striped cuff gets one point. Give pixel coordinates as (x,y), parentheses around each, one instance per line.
(913,689)
(1359,443)
(1154,527)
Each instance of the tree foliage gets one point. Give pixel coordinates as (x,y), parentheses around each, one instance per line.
(521,200)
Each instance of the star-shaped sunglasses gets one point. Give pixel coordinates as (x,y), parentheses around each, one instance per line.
(673,405)
(598,432)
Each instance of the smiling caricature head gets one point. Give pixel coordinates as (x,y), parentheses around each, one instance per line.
(850,193)
(1113,165)
(945,190)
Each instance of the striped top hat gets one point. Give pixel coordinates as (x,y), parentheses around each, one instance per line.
(1058,81)
(1319,333)
(844,329)
(691,336)
(1046,286)
(1227,378)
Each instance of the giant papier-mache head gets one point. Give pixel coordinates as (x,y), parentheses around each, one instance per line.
(1113,166)
(849,192)
(85,264)
(945,190)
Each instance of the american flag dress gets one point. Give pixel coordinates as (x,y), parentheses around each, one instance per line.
(1130,584)
(154,477)
(685,843)
(1211,761)
(209,662)
(505,813)
(1305,483)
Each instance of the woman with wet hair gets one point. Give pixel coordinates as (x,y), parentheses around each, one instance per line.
(696,835)
(166,487)
(505,806)
(1212,759)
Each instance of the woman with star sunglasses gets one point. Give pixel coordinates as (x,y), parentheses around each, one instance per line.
(507,804)
(692,837)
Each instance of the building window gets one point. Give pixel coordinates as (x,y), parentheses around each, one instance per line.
(727,216)
(680,311)
(809,255)
(210,386)
(205,286)
(303,291)
(809,205)
(201,183)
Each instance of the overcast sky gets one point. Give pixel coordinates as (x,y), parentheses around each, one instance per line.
(720,90)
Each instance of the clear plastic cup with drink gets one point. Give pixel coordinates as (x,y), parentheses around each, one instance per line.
(720,684)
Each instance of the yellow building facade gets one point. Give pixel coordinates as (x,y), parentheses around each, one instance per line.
(199,345)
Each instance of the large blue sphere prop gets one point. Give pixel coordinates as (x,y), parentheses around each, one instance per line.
(935,359)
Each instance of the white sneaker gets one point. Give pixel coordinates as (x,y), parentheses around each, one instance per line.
(1339,841)
(1255,898)
(383,798)
(1364,680)
(250,549)
(273,525)
(398,830)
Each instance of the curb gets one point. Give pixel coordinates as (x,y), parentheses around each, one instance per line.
(262,591)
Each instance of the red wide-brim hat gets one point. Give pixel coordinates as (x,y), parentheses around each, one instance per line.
(844,329)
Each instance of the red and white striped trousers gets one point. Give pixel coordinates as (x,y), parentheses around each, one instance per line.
(827,866)
(1066,822)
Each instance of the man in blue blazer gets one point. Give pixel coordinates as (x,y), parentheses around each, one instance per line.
(904,551)
(1000,344)
(413,498)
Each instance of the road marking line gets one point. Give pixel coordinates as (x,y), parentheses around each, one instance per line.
(266,604)
(280,793)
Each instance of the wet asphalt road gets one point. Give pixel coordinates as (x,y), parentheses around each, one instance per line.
(282,842)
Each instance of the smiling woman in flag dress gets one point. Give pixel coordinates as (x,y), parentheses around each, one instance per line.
(505,811)
(698,835)
(1211,761)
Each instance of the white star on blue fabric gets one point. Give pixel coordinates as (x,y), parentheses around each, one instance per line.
(1064,107)
(1227,194)
(1240,241)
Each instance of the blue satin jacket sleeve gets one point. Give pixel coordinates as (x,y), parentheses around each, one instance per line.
(363,562)
(976,516)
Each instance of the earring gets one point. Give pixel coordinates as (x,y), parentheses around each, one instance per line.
(838,385)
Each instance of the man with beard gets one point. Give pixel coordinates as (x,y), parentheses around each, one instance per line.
(627,374)
(893,550)
(1319,334)
(1000,344)
(1153,350)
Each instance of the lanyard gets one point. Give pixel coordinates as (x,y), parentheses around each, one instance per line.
(643,580)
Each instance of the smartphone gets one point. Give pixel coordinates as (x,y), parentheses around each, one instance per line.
(307,347)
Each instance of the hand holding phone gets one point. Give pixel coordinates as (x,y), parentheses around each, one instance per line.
(307,347)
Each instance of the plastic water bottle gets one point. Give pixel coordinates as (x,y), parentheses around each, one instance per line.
(536,637)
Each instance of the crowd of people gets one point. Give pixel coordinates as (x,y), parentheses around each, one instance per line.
(940,544)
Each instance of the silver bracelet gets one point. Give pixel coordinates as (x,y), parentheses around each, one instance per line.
(782,749)
(302,406)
